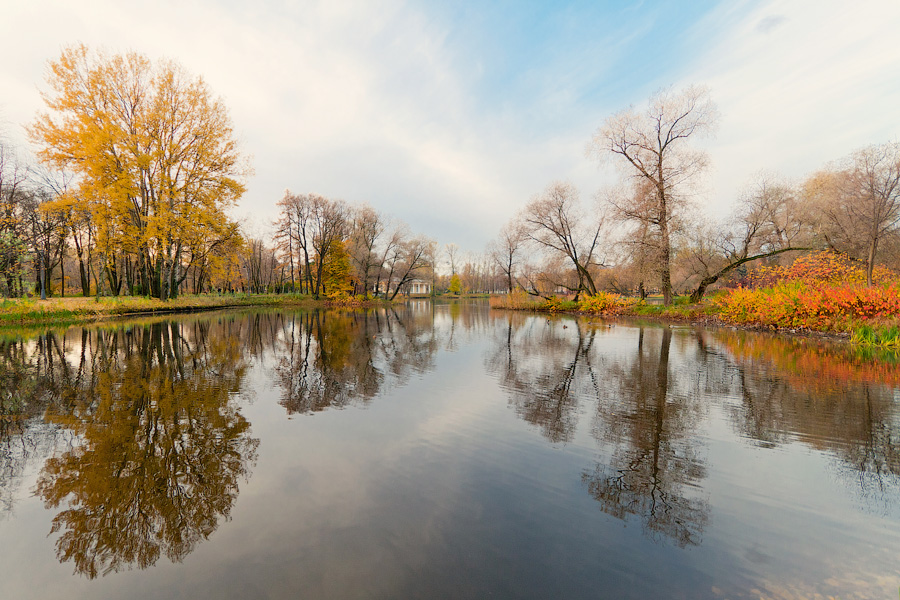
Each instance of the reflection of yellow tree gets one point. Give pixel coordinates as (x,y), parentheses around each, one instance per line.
(654,466)
(163,448)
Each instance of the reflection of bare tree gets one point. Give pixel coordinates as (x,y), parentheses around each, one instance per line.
(335,358)
(545,366)
(159,445)
(654,467)
(825,396)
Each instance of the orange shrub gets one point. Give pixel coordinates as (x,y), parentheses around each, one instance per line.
(823,291)
(821,267)
(799,304)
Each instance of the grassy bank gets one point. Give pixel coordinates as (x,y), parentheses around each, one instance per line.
(819,292)
(54,311)
(860,315)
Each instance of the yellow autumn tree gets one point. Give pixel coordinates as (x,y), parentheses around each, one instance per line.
(336,278)
(154,156)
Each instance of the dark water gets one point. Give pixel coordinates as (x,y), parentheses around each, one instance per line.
(443,452)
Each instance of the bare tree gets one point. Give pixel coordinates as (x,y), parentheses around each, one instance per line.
(555,222)
(505,251)
(309,225)
(859,204)
(391,253)
(410,260)
(653,144)
(452,251)
(293,234)
(768,222)
(367,228)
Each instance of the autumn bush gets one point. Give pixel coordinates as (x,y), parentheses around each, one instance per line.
(821,267)
(821,291)
(605,303)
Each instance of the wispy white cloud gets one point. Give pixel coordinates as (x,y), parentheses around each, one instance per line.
(799,83)
(452,120)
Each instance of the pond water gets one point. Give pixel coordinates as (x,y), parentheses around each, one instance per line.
(443,451)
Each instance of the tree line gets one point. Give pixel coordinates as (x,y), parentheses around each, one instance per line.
(139,167)
(647,232)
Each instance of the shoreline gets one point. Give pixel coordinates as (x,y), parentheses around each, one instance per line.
(54,312)
(75,310)
(693,315)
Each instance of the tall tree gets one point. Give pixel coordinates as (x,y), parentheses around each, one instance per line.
(653,145)
(329,221)
(337,277)
(153,152)
(366,231)
(452,251)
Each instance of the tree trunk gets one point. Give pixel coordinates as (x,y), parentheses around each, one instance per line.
(870,262)
(666,249)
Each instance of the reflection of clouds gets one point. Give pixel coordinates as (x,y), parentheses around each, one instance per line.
(446,475)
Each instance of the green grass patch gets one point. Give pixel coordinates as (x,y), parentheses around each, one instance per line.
(878,336)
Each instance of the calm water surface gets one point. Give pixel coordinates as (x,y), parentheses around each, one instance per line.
(443,451)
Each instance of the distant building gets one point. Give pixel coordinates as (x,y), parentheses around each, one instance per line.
(419,287)
(414,287)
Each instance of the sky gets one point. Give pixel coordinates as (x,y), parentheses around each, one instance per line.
(452,115)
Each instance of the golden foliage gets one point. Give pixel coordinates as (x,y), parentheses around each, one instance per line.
(154,155)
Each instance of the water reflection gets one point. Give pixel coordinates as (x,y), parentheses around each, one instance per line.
(27,382)
(652,465)
(546,370)
(650,418)
(825,396)
(335,358)
(656,465)
(142,423)
(159,444)
(140,443)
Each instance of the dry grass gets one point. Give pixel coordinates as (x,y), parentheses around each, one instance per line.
(518,299)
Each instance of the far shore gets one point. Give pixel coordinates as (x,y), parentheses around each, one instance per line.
(73,310)
(79,309)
